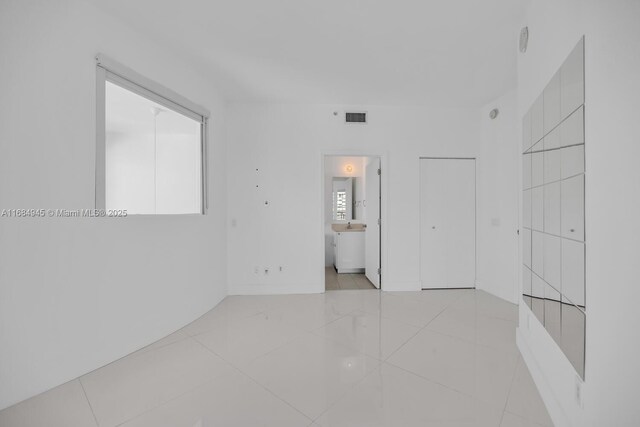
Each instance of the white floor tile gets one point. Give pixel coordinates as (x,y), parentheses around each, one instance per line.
(482,372)
(232,400)
(405,308)
(368,333)
(311,373)
(510,420)
(524,399)
(243,340)
(346,281)
(485,304)
(227,311)
(63,406)
(391,397)
(142,381)
(306,311)
(169,339)
(346,301)
(451,360)
(476,328)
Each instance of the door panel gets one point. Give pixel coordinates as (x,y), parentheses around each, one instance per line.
(372,215)
(433,223)
(447,223)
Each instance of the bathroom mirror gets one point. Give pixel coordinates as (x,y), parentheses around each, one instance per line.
(342,199)
(348,198)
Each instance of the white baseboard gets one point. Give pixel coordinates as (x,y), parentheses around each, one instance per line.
(392,286)
(554,408)
(263,289)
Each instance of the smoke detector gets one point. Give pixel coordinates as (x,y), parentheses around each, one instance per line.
(494,113)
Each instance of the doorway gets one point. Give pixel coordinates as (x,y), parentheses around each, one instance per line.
(352,222)
(447,223)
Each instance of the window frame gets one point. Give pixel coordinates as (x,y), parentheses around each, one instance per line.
(108,70)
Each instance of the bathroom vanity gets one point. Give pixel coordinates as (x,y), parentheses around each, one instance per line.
(349,249)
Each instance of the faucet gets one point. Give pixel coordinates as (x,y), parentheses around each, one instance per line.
(348,225)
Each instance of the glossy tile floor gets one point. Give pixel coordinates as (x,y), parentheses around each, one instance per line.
(346,358)
(336,282)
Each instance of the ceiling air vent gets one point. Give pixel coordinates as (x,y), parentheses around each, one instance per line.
(356,117)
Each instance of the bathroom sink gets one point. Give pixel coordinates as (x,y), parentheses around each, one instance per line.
(344,227)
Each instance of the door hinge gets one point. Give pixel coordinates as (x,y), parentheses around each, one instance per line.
(379,271)
(379,171)
(378,221)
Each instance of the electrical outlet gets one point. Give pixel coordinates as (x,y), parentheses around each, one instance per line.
(266,271)
(281,268)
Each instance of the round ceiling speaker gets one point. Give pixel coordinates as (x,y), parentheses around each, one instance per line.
(494,113)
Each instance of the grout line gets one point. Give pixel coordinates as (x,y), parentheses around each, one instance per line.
(472,397)
(240,371)
(229,365)
(554,235)
(553,182)
(544,135)
(458,339)
(191,390)
(275,395)
(427,324)
(147,349)
(544,150)
(554,288)
(355,384)
(89,402)
(299,335)
(513,380)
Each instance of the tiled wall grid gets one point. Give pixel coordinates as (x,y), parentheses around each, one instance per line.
(553,208)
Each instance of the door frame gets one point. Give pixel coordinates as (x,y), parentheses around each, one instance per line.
(383,156)
(475,214)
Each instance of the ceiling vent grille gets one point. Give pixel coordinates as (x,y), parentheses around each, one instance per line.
(356,117)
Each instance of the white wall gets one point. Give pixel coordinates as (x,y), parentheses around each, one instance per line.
(76,294)
(286,144)
(497,193)
(612,201)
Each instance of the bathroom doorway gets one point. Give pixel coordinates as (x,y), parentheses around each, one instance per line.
(352,222)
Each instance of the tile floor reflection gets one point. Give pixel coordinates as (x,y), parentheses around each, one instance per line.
(349,358)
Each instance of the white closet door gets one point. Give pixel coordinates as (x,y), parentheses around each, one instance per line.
(372,214)
(447,223)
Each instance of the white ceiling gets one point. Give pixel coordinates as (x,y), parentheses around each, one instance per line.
(389,52)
